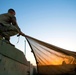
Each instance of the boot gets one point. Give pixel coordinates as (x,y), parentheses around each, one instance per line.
(8,40)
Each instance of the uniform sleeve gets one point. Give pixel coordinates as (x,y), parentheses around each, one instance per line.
(14,22)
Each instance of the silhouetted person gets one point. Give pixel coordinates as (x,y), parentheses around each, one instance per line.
(8,25)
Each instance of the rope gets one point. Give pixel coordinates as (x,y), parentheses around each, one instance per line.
(18,39)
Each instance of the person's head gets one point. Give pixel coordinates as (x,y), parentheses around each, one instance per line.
(12,11)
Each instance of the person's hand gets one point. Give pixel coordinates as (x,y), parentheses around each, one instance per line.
(21,33)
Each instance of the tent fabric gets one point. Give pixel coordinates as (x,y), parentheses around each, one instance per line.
(52,60)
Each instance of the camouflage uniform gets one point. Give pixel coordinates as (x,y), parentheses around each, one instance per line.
(8,25)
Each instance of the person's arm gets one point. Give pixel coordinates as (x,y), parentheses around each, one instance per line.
(14,22)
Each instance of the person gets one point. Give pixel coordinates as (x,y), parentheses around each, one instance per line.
(8,25)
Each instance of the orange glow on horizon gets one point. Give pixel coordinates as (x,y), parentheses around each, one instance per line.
(59,61)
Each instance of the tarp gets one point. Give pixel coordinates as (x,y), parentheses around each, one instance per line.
(52,60)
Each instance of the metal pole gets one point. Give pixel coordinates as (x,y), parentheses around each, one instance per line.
(25,48)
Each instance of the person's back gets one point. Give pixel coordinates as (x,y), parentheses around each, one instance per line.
(6,19)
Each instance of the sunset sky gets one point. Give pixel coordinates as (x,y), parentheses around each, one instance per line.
(52,21)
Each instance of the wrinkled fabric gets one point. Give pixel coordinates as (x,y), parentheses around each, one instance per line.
(7,31)
(52,60)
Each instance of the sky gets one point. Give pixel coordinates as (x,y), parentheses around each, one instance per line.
(52,21)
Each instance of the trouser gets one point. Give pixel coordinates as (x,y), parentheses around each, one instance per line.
(8,31)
